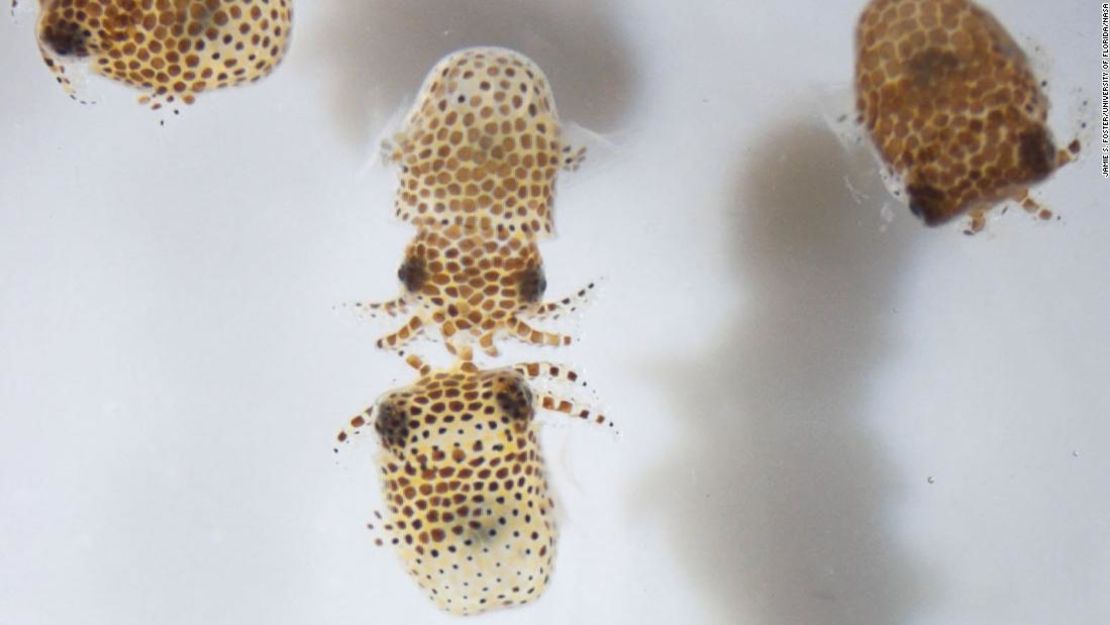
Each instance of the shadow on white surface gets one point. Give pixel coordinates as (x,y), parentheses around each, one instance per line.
(378,52)
(777,497)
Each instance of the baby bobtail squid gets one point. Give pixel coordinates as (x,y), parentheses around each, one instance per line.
(171,50)
(467,507)
(473,287)
(953,108)
(482,146)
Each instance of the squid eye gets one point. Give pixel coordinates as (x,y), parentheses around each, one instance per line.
(66,39)
(391,424)
(930,204)
(413,274)
(515,399)
(532,284)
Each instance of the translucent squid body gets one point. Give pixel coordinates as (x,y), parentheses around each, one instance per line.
(467,504)
(953,108)
(473,286)
(482,146)
(479,154)
(467,501)
(171,50)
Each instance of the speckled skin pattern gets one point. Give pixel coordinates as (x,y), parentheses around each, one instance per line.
(467,501)
(478,156)
(472,286)
(952,106)
(468,509)
(482,146)
(171,50)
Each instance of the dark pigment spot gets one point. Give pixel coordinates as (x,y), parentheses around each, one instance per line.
(533,283)
(1037,153)
(391,425)
(928,203)
(516,400)
(66,39)
(413,274)
(932,66)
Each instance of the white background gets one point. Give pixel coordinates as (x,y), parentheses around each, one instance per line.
(788,367)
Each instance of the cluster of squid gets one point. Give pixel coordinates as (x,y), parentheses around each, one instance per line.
(945,94)
(942,90)
(467,503)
